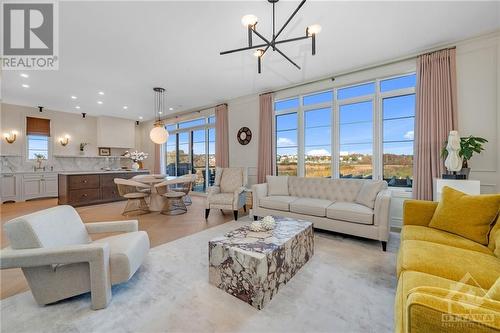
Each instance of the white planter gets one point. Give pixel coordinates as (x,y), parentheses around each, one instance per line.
(135,166)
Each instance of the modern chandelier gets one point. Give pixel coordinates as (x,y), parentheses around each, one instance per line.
(250,22)
(159,134)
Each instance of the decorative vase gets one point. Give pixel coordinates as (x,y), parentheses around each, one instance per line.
(38,164)
(135,166)
(82,152)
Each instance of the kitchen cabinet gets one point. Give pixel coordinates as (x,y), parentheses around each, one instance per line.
(10,187)
(93,188)
(39,186)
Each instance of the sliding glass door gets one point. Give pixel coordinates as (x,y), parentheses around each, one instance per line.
(191,150)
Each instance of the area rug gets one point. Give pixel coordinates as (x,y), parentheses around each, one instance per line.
(347,286)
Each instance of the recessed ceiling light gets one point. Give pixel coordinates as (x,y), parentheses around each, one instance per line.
(77,107)
(101,93)
(140,117)
(24,75)
(73,97)
(99,102)
(171,109)
(125,107)
(25,86)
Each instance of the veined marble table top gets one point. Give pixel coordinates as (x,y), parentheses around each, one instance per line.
(253,266)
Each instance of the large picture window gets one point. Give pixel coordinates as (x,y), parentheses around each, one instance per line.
(372,136)
(191,149)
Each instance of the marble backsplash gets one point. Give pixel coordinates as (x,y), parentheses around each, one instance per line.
(73,163)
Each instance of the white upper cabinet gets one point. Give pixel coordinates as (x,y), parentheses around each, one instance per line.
(115,132)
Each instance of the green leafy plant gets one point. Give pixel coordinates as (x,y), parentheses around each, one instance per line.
(39,156)
(82,146)
(468,146)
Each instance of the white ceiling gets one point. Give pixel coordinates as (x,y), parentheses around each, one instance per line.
(126,48)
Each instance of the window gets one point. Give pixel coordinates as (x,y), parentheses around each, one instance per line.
(191,149)
(318,152)
(37,137)
(38,144)
(372,136)
(356,140)
(286,144)
(398,110)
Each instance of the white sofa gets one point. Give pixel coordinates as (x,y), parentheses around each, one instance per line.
(356,207)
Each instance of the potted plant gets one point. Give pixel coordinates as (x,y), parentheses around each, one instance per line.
(38,160)
(82,148)
(468,146)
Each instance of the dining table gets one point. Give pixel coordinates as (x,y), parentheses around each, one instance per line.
(157,200)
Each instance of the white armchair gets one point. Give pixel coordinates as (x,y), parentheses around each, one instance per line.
(59,260)
(228,191)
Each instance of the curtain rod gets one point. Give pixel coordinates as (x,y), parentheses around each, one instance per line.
(360,69)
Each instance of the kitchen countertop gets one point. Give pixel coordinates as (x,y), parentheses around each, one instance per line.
(72,172)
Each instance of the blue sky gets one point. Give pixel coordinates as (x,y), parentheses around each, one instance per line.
(356,121)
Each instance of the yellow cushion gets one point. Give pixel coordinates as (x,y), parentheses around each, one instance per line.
(416,232)
(494,242)
(470,216)
(411,279)
(449,262)
(494,292)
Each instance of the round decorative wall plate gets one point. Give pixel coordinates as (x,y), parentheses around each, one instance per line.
(244,135)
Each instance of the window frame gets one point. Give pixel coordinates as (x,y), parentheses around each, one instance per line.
(377,121)
(206,126)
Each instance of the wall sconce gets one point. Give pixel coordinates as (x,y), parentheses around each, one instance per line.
(10,137)
(64,141)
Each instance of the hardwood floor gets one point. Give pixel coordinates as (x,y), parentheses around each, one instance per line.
(160,228)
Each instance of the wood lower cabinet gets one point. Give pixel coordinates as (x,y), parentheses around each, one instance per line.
(89,189)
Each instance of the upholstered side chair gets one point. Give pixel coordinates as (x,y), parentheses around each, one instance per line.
(59,260)
(228,192)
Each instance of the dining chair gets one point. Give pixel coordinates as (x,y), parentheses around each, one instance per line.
(186,186)
(135,194)
(174,200)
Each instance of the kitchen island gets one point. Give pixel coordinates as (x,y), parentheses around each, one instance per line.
(81,188)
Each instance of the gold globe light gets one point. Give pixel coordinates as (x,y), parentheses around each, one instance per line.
(159,134)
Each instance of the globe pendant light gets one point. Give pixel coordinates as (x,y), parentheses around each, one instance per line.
(159,134)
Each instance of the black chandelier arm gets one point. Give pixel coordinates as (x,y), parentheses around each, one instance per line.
(284,25)
(246,48)
(284,56)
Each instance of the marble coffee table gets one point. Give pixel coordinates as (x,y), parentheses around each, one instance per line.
(253,266)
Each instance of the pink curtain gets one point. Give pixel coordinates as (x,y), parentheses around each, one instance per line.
(435,117)
(157,166)
(265,158)
(221,136)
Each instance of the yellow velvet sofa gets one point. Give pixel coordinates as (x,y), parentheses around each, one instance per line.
(446,283)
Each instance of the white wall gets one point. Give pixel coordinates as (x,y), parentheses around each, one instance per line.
(13,117)
(244,112)
(478,85)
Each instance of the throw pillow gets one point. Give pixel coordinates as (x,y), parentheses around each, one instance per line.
(368,193)
(232,179)
(469,216)
(277,185)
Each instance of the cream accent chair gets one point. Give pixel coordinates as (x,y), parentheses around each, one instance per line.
(358,207)
(228,192)
(59,260)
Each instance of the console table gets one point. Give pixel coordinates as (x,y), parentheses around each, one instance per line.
(468,186)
